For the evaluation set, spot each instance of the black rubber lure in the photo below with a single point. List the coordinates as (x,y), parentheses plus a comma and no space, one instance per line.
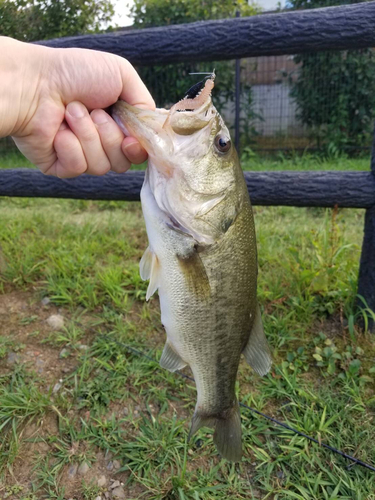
(197,87)
(194,90)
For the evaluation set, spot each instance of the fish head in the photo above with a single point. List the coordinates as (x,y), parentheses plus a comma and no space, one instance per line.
(193,167)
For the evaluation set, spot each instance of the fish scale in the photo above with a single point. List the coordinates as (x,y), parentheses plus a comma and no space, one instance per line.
(202,255)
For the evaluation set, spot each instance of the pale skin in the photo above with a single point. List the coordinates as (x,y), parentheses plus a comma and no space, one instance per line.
(52,103)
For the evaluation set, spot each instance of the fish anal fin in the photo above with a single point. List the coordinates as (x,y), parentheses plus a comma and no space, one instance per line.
(170,360)
(200,420)
(149,269)
(227,434)
(257,352)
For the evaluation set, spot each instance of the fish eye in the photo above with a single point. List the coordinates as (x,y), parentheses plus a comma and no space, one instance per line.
(222,143)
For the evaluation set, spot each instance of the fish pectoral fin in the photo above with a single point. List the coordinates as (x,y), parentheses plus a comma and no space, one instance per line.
(257,352)
(149,270)
(145,264)
(208,205)
(227,435)
(195,273)
(170,360)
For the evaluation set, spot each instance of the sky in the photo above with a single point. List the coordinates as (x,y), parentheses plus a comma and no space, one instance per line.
(122,8)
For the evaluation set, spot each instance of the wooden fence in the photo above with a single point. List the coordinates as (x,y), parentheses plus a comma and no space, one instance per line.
(333,28)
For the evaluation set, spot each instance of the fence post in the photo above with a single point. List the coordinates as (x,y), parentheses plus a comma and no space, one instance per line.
(366,279)
(238,96)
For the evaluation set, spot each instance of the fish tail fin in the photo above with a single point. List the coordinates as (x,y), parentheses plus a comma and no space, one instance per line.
(227,435)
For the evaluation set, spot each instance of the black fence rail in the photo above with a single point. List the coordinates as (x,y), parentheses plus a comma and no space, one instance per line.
(293,189)
(333,28)
(337,28)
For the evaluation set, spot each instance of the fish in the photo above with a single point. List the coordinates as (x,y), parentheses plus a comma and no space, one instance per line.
(202,255)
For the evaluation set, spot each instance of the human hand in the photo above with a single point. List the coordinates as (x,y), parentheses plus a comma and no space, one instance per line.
(51,103)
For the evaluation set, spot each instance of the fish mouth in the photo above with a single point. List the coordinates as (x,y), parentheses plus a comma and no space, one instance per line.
(155,129)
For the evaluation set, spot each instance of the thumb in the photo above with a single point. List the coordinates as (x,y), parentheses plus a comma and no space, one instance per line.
(98,80)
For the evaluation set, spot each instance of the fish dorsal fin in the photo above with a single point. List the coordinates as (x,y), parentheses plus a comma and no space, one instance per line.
(256,352)
(170,360)
(149,270)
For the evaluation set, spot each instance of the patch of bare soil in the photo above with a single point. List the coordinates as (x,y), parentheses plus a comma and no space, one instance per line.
(23,322)
(333,326)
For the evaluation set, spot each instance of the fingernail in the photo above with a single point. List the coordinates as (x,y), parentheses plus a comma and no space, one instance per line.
(99,117)
(130,144)
(76,109)
(142,105)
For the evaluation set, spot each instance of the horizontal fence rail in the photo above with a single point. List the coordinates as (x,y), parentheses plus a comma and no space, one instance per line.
(298,189)
(337,28)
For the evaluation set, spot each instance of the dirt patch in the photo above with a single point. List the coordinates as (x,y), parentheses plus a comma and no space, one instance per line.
(102,472)
(24,330)
(27,336)
(333,326)
(23,320)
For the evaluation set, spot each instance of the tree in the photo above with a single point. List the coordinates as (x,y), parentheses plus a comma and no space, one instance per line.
(334,91)
(169,83)
(150,13)
(31,20)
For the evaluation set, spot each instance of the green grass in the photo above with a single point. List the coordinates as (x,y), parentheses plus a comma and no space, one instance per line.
(84,257)
(14,160)
(250,161)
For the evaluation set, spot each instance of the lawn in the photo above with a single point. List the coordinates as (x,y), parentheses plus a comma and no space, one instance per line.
(80,408)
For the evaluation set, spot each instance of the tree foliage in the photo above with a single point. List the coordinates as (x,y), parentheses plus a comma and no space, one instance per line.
(335,91)
(169,83)
(149,13)
(31,20)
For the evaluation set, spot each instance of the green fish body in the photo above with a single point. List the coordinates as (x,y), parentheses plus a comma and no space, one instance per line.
(202,255)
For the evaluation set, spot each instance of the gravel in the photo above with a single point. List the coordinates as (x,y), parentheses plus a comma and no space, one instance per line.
(102,481)
(83,468)
(72,471)
(56,321)
(118,493)
(13,358)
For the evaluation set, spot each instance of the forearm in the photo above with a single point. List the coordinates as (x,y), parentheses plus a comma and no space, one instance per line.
(19,80)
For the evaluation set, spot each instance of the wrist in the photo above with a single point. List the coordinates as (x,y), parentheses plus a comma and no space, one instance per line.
(21,74)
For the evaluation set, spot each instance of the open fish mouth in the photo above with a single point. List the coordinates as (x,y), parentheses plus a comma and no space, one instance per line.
(195,111)
(154,127)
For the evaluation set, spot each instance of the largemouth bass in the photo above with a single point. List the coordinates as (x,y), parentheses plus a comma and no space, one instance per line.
(202,254)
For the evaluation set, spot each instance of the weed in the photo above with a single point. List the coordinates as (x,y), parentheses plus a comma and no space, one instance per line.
(6,344)
(90,491)
(69,336)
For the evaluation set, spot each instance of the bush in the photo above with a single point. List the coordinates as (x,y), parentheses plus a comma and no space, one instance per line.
(335,92)
(31,20)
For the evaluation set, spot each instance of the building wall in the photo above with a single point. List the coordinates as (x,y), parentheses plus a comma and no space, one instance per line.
(276,109)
